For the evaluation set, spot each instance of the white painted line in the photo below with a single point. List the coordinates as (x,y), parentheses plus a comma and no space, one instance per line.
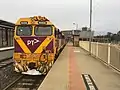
(77,51)
(6,48)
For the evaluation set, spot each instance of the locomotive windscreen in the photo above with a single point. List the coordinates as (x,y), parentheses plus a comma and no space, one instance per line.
(43,30)
(24,30)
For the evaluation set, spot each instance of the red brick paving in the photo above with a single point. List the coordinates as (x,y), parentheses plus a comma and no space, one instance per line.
(75,80)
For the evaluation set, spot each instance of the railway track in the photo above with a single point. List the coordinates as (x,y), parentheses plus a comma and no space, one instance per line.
(5,62)
(17,81)
(26,82)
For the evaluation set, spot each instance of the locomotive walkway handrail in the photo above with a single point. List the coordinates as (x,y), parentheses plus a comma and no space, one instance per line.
(44,64)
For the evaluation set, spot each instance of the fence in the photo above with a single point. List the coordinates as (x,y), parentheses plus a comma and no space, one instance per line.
(107,52)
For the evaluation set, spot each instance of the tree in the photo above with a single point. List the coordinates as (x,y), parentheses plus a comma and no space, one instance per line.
(118,33)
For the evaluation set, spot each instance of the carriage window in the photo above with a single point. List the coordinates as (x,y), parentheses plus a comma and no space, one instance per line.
(5,41)
(43,30)
(0,37)
(24,30)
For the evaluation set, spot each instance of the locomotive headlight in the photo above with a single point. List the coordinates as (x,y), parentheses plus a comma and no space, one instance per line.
(48,51)
(42,22)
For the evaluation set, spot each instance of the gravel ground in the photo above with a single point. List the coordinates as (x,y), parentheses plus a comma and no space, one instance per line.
(7,75)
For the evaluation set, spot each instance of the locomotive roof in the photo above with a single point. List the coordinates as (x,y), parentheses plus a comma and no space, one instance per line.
(34,20)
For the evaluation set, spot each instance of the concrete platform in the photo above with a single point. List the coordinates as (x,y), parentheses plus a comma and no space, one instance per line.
(71,64)
(6,52)
(57,78)
(105,77)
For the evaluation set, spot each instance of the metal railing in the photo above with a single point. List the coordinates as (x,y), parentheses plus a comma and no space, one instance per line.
(107,52)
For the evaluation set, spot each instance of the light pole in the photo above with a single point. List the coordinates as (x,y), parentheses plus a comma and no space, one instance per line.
(90,26)
(76,25)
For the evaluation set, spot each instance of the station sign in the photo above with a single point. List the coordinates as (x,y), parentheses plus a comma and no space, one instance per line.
(89,82)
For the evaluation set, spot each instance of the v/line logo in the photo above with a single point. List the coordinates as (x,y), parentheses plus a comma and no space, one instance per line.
(32,42)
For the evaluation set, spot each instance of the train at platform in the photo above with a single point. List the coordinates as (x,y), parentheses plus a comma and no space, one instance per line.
(37,42)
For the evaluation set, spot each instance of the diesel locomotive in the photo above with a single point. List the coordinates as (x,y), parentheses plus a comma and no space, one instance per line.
(37,42)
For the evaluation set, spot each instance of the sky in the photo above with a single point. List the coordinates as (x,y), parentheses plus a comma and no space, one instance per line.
(63,13)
